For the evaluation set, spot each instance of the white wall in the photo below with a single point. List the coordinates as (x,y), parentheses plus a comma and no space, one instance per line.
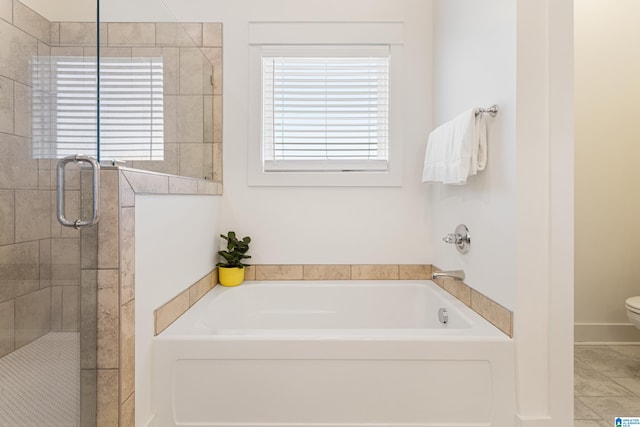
(315,224)
(176,242)
(607,83)
(520,210)
(474,66)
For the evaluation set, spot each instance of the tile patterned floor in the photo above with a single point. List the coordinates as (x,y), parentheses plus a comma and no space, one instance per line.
(606,384)
(39,383)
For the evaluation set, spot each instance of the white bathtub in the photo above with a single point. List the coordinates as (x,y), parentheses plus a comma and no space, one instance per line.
(338,354)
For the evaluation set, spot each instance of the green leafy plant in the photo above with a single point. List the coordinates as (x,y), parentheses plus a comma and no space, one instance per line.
(236,251)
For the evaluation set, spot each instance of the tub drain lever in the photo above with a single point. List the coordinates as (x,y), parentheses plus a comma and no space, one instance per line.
(443,315)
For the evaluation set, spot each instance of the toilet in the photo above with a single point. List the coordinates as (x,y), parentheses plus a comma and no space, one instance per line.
(633,310)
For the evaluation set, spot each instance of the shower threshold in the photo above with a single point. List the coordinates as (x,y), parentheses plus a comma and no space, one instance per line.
(40,383)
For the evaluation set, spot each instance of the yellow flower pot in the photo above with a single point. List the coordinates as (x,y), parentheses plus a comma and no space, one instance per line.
(230,276)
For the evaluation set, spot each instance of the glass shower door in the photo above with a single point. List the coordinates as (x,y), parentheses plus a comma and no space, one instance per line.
(48,297)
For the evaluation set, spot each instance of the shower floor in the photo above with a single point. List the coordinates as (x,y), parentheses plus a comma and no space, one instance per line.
(40,383)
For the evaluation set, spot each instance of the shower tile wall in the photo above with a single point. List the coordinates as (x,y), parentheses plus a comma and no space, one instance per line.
(39,261)
(192,60)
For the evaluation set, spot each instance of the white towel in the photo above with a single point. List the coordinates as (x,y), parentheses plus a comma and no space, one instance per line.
(457,149)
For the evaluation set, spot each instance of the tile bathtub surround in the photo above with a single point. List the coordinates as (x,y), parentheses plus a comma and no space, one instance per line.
(110,270)
(172,310)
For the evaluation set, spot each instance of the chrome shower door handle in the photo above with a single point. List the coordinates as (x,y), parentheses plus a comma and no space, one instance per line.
(95,167)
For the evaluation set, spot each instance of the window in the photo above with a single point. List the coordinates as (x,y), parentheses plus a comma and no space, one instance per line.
(325,104)
(131,107)
(325,113)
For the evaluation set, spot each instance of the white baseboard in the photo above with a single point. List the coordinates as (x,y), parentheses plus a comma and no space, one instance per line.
(606,333)
(525,421)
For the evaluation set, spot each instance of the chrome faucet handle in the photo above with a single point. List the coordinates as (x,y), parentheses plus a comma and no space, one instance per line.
(451,238)
(461,238)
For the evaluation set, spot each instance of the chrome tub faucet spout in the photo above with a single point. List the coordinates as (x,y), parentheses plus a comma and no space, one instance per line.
(454,274)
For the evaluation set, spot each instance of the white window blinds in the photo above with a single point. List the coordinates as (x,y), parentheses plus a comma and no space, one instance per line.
(131,108)
(326,112)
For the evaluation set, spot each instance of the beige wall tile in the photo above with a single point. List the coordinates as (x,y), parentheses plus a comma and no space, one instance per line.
(68,51)
(217,162)
(170,120)
(170,165)
(147,182)
(190,115)
(375,272)
(493,312)
(19,269)
(56,308)
(16,50)
(108,225)
(279,272)
(207,161)
(217,118)
(88,397)
(127,195)
(45,181)
(6,10)
(208,119)
(108,406)
(32,316)
(78,34)
(127,351)
(201,287)
(132,34)
(70,308)
(176,35)
(168,313)
(191,160)
(178,185)
(17,169)
(7,217)
(456,288)
(327,272)
(212,34)
(127,254)
(415,271)
(31,22)
(65,253)
(6,327)
(170,70)
(209,187)
(214,58)
(23,121)
(108,319)
(89,242)
(127,412)
(33,213)
(6,105)
(88,319)
(45,263)
(43,49)
(194,31)
(54,31)
(249,273)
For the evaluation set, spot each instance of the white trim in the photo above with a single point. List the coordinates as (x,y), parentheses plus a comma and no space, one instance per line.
(391,34)
(326,33)
(526,421)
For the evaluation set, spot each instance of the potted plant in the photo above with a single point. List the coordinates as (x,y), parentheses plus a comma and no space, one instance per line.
(231,269)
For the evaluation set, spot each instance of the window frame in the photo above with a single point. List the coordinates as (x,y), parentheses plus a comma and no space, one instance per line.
(306,37)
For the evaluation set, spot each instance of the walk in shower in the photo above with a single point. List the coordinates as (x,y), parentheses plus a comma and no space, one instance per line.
(150,106)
